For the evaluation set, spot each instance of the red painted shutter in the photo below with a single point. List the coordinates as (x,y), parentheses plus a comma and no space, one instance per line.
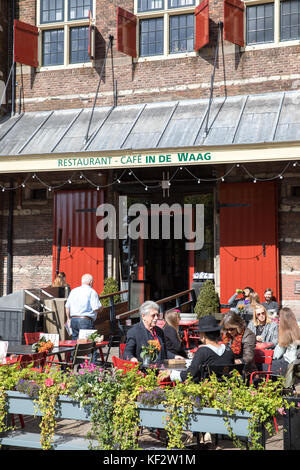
(126,32)
(248,238)
(201,25)
(74,214)
(234,21)
(25,43)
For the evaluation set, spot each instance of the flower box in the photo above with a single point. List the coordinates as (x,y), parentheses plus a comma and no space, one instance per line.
(204,420)
(291,425)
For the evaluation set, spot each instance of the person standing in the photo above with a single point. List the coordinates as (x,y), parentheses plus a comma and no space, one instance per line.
(83,306)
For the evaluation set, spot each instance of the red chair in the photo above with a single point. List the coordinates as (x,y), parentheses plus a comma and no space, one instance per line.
(121,349)
(264,356)
(31,338)
(37,360)
(122,364)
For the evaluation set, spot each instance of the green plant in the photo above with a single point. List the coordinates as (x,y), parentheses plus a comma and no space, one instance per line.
(207,301)
(110,286)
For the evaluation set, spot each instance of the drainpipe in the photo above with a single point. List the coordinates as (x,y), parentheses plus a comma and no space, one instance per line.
(13,78)
(9,278)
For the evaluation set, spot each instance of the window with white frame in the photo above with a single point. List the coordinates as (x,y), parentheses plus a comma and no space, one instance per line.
(272,22)
(64,26)
(165,26)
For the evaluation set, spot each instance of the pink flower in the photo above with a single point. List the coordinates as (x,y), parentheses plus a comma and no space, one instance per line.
(281,411)
(49,382)
(62,386)
(298,404)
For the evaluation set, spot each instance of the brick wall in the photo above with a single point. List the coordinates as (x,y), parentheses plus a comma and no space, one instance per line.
(3,48)
(270,69)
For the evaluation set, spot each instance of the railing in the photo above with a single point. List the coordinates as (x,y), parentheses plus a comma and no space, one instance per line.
(162,304)
(112,309)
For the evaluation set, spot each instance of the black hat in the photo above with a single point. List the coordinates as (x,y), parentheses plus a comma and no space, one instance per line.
(208,323)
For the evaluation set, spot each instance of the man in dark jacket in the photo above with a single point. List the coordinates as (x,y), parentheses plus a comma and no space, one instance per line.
(142,332)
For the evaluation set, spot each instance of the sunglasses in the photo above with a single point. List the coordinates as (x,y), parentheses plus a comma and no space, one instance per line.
(260,313)
(230,329)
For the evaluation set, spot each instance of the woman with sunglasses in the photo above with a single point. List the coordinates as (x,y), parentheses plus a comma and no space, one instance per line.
(265,330)
(240,339)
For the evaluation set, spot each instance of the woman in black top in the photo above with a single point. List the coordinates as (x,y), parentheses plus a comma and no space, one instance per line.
(211,352)
(171,332)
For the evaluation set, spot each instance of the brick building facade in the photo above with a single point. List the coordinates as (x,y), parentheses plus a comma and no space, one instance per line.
(260,67)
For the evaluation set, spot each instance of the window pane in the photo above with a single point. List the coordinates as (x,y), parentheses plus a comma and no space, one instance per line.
(289,20)
(180,3)
(260,23)
(151,37)
(149,5)
(79,38)
(53,47)
(52,11)
(180,27)
(79,9)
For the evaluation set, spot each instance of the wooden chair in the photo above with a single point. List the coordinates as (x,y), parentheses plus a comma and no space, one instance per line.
(83,352)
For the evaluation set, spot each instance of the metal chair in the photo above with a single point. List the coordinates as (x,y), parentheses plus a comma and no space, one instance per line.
(83,353)
(37,360)
(31,338)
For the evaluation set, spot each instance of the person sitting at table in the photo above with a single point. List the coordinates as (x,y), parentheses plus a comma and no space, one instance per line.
(142,332)
(249,308)
(240,339)
(288,342)
(234,303)
(171,331)
(211,352)
(269,303)
(265,330)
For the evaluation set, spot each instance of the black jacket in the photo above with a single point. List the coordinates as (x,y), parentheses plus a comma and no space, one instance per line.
(173,344)
(137,336)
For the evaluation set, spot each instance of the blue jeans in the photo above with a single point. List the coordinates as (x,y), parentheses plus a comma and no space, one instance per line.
(82,324)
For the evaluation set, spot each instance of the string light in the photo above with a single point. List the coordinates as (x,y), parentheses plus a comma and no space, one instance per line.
(130,172)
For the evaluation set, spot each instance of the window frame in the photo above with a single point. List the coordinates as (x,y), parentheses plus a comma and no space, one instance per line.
(66,25)
(267,45)
(165,13)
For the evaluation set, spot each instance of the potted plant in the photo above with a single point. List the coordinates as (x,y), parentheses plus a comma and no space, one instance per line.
(150,351)
(208,301)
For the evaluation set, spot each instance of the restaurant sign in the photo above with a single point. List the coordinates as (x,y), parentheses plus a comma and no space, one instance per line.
(133,160)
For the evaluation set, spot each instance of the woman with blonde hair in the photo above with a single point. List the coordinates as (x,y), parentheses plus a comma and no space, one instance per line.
(288,341)
(60,280)
(265,330)
(171,333)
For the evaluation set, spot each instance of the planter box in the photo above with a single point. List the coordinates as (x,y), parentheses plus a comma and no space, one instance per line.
(291,426)
(204,420)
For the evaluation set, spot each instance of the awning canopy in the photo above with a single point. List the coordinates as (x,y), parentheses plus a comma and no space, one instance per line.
(240,128)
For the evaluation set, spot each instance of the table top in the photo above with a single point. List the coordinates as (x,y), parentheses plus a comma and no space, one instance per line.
(188,322)
(73,342)
(20,349)
(164,365)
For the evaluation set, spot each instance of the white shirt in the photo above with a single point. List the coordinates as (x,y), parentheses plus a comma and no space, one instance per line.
(82,301)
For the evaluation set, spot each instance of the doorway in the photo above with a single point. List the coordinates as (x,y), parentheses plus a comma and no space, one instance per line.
(161,267)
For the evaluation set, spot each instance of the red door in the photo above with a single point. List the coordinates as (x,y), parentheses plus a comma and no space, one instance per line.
(81,250)
(248,238)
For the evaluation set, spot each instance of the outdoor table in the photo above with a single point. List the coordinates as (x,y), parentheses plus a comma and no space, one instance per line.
(73,342)
(185,325)
(20,349)
(165,365)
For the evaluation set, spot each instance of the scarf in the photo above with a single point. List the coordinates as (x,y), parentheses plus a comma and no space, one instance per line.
(234,343)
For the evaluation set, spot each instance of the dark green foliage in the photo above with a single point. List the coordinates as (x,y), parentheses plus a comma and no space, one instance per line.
(208,300)
(110,286)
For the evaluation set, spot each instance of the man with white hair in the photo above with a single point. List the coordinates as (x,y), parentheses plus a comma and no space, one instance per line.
(142,332)
(83,306)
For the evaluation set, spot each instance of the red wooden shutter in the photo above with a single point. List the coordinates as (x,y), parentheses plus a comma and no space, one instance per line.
(25,43)
(126,32)
(248,238)
(234,21)
(201,25)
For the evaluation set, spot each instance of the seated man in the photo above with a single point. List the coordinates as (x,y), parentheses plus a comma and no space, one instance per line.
(142,332)
(234,303)
(269,303)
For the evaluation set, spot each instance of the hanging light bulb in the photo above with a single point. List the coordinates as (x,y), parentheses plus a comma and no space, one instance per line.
(49,189)
(119,181)
(223,179)
(146,188)
(254,181)
(23,185)
(281,177)
(199,181)
(69,181)
(98,188)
